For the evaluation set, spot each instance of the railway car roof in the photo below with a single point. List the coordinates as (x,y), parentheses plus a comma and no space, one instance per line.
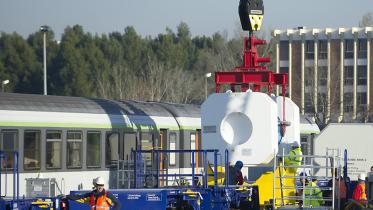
(183,110)
(32,102)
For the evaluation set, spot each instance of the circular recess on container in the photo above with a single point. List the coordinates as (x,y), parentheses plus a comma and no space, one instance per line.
(236,128)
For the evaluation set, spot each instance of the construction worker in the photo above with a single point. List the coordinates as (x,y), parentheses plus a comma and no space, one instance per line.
(294,158)
(359,192)
(99,198)
(235,174)
(340,189)
(312,193)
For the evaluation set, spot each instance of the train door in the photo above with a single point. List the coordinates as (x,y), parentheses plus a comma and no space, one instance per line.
(195,144)
(198,147)
(163,146)
(130,139)
(162,157)
(112,149)
(147,143)
(172,145)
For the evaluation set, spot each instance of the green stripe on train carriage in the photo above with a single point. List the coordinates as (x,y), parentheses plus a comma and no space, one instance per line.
(83,125)
(308,132)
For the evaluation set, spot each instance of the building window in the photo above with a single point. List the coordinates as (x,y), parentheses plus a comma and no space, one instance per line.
(323,49)
(8,144)
(53,149)
(362,98)
(308,76)
(310,50)
(347,102)
(284,70)
(284,50)
(111,149)
(323,75)
(362,75)
(308,103)
(349,48)
(93,149)
(172,147)
(348,75)
(362,102)
(362,48)
(322,102)
(74,149)
(31,149)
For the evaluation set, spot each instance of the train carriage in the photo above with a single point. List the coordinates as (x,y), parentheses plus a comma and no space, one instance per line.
(73,140)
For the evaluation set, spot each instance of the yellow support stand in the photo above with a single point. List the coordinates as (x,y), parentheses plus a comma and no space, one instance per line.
(265,185)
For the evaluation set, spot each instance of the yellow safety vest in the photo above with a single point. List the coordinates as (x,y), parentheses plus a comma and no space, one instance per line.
(293,159)
(313,195)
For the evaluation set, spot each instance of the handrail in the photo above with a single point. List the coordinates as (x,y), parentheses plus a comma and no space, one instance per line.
(4,155)
(331,161)
(156,153)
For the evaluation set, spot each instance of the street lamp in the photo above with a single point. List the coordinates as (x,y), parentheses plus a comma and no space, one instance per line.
(3,83)
(207,75)
(45,29)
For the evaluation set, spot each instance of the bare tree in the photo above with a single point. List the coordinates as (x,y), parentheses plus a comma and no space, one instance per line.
(326,107)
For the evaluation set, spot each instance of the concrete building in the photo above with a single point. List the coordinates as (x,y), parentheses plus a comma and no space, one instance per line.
(330,71)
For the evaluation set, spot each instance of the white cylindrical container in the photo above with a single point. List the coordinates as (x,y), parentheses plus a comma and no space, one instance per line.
(244,123)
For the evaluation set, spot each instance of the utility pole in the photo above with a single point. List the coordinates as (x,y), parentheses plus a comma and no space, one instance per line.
(207,75)
(44,29)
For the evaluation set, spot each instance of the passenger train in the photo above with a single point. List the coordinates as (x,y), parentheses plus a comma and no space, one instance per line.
(72,140)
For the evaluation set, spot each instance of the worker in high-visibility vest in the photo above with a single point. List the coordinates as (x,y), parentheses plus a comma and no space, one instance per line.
(312,194)
(294,158)
(99,198)
(340,190)
(359,192)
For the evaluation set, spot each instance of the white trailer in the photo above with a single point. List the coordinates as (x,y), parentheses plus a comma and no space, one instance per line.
(357,138)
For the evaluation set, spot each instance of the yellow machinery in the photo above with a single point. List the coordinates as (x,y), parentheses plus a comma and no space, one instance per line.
(265,183)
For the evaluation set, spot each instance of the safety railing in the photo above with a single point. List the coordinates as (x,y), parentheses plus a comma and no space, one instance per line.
(6,167)
(311,186)
(192,177)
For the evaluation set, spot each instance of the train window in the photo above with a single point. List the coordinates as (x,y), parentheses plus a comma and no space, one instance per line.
(31,149)
(111,149)
(74,149)
(129,145)
(8,144)
(53,150)
(93,149)
(172,147)
(193,146)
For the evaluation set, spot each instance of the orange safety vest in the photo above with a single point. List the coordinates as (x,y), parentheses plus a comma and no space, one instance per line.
(359,193)
(99,204)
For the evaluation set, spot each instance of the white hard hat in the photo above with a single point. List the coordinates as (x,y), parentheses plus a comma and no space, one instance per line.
(295,144)
(361,176)
(100,181)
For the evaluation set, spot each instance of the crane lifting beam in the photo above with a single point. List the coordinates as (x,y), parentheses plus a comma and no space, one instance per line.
(251,74)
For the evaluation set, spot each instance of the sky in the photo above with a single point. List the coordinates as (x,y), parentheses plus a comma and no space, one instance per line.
(151,17)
